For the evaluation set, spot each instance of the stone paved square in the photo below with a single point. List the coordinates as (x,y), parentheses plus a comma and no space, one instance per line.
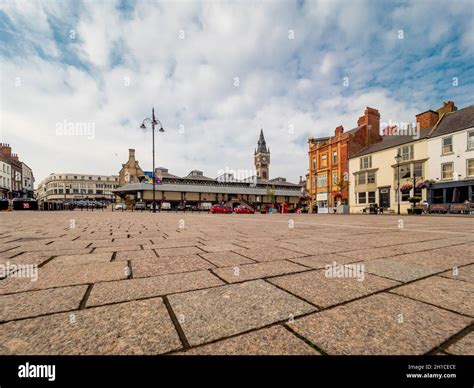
(135,283)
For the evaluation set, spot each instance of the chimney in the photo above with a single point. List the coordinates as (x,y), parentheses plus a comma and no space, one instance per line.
(339,130)
(427,119)
(447,107)
(371,119)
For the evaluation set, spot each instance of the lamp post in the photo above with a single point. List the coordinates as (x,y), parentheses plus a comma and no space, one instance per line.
(153,121)
(398,158)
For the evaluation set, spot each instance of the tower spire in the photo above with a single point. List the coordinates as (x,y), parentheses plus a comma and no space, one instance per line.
(261,145)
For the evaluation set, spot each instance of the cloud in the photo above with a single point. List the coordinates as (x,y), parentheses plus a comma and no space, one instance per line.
(219,71)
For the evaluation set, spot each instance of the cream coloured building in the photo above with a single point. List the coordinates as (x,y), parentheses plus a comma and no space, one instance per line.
(373,173)
(74,186)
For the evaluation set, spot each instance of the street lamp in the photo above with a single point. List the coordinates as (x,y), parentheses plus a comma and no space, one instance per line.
(153,121)
(398,158)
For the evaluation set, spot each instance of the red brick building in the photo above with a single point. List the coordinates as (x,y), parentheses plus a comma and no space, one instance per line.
(329,160)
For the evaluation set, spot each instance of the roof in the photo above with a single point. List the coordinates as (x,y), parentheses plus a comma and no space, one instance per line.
(225,189)
(455,121)
(262,145)
(390,141)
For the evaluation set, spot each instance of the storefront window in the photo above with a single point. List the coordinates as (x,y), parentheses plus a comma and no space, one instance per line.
(362,197)
(371,195)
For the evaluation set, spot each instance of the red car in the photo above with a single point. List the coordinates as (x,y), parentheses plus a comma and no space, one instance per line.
(220,209)
(243,210)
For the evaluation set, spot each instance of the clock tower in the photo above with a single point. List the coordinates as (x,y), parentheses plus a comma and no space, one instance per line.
(262,158)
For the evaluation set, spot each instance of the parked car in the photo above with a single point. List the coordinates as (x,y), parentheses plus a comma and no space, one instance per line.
(220,209)
(150,206)
(140,205)
(165,206)
(205,206)
(243,210)
(120,206)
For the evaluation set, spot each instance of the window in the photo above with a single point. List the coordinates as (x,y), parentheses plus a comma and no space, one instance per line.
(405,171)
(361,179)
(322,180)
(371,195)
(418,169)
(405,195)
(324,160)
(447,171)
(470,167)
(447,145)
(371,177)
(334,178)
(365,162)
(362,197)
(314,182)
(314,164)
(334,157)
(470,140)
(406,152)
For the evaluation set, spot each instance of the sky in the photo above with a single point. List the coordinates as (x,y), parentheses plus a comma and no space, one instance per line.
(78,78)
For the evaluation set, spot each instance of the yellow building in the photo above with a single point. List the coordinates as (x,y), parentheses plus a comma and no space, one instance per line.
(374,173)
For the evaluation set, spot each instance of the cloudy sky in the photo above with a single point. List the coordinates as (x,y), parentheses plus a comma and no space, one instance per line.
(216,72)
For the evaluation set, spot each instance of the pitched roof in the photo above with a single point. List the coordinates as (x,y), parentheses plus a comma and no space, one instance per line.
(390,141)
(261,145)
(455,121)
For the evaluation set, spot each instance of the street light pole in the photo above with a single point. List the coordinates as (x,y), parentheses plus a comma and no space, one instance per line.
(398,158)
(153,122)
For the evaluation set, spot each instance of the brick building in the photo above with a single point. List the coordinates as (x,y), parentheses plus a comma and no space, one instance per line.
(16,170)
(329,161)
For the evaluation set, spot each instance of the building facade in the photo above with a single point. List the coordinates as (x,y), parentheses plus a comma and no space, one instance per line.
(431,164)
(28,184)
(17,184)
(5,179)
(329,161)
(374,173)
(74,187)
(451,158)
(197,189)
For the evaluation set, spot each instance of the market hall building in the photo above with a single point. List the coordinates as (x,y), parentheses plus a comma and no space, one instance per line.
(196,189)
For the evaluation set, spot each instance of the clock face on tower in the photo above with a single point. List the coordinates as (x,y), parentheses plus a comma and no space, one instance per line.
(264,159)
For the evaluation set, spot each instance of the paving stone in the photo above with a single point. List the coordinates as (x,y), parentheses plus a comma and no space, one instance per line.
(226,258)
(60,276)
(219,312)
(437,259)
(34,303)
(465,273)
(139,327)
(90,258)
(139,288)
(397,269)
(135,255)
(323,260)
(219,247)
(380,324)
(323,291)
(274,340)
(450,294)
(168,265)
(118,248)
(169,252)
(464,346)
(258,270)
(269,254)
